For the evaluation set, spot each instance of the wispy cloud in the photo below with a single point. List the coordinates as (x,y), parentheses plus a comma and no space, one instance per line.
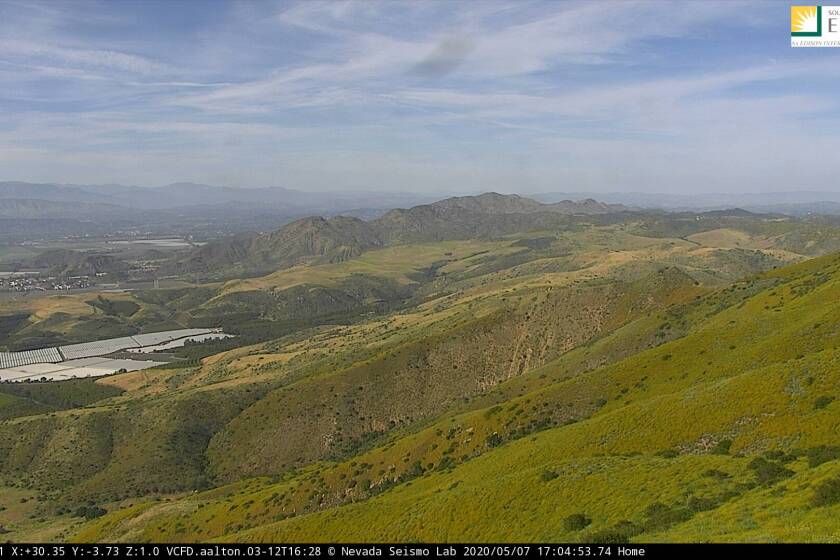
(85,58)
(525,95)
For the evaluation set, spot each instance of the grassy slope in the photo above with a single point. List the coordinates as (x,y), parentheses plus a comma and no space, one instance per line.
(421,379)
(685,397)
(107,452)
(579,252)
(62,394)
(155,438)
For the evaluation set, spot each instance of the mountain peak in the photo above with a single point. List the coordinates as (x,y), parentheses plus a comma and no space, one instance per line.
(496,203)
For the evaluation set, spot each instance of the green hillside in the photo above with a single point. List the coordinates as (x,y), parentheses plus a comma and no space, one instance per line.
(27,399)
(544,366)
(726,433)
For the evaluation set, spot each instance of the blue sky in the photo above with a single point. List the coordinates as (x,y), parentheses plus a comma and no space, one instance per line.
(436,96)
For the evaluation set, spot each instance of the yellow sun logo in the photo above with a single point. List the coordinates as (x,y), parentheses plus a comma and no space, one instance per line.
(804,19)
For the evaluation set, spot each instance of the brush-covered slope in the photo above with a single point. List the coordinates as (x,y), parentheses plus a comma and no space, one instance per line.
(488,217)
(326,290)
(304,240)
(726,429)
(474,322)
(28,399)
(316,402)
(352,375)
(336,239)
(334,413)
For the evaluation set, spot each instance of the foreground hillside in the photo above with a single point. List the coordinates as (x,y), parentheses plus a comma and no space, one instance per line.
(726,433)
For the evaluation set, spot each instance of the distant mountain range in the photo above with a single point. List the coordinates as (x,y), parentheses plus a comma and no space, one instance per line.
(38,210)
(342,237)
(31,200)
(792,203)
(203,212)
(192,195)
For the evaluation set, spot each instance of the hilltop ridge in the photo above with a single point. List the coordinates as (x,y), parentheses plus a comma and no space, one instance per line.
(331,240)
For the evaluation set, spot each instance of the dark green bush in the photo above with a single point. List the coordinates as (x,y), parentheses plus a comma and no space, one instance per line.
(722,447)
(827,493)
(823,402)
(822,454)
(493,440)
(718,474)
(576,522)
(619,533)
(768,473)
(90,512)
(661,516)
(697,504)
(445,463)
(668,453)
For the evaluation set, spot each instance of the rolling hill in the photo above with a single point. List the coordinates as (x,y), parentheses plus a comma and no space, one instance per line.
(671,443)
(577,376)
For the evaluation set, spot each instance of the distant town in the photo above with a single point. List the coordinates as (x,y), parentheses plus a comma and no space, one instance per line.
(34,281)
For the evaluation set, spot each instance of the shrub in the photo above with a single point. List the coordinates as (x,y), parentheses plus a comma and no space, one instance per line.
(90,512)
(696,504)
(827,493)
(823,402)
(446,463)
(780,456)
(668,453)
(661,516)
(548,475)
(415,470)
(608,536)
(619,533)
(822,454)
(768,473)
(493,440)
(576,522)
(718,474)
(722,447)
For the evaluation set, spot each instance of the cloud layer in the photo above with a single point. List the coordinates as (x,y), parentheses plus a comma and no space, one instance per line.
(423,96)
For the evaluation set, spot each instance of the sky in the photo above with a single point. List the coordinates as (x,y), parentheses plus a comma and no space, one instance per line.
(431,96)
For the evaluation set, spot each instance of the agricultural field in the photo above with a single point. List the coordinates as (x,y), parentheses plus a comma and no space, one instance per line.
(100,357)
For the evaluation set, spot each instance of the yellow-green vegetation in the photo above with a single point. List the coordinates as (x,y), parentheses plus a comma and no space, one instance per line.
(400,262)
(26,399)
(692,439)
(19,516)
(646,379)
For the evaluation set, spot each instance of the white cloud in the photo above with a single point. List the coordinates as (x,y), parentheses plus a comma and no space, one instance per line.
(473,95)
(85,58)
